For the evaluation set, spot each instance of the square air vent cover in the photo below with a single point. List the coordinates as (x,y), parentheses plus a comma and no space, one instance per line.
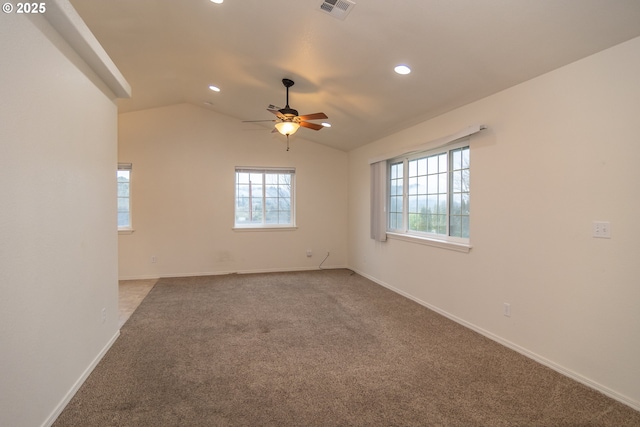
(337,8)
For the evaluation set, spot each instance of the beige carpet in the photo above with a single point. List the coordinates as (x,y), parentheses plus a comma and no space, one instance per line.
(321,348)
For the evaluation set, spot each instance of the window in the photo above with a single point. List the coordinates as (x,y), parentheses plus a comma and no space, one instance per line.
(124,196)
(265,198)
(429,194)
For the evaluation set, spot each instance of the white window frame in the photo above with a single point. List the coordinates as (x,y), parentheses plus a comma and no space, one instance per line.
(128,228)
(402,232)
(263,225)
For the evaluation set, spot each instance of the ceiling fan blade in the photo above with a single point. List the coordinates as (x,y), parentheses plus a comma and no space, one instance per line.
(314,116)
(257,121)
(311,125)
(277,113)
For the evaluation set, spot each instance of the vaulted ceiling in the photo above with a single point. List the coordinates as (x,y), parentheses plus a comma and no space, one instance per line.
(459,51)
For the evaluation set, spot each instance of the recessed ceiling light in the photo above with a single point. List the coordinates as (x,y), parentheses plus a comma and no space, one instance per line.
(217,1)
(402,69)
(327,125)
(214,88)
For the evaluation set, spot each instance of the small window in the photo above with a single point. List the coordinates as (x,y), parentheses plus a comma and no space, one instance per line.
(265,198)
(429,194)
(124,196)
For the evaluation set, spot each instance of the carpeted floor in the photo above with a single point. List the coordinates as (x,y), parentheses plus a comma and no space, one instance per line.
(318,348)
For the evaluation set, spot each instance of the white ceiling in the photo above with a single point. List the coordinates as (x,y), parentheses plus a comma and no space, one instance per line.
(170,51)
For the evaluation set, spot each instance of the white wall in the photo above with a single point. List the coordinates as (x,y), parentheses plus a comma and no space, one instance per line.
(184,160)
(58,240)
(560,151)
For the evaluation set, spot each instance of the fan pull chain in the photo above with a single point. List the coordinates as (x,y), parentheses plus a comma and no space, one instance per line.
(287,142)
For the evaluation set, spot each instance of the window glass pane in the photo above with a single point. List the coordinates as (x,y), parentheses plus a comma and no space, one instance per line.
(456,202)
(422,185)
(432,184)
(465,227)
(256,189)
(399,221)
(242,190)
(256,209)
(418,222)
(413,186)
(464,204)
(413,168)
(396,170)
(432,164)
(242,178)
(422,204)
(422,166)
(432,223)
(442,183)
(442,160)
(123,188)
(464,180)
(455,226)
(123,204)
(124,219)
(432,204)
(442,224)
(465,157)
(413,204)
(283,179)
(456,160)
(456,181)
(442,203)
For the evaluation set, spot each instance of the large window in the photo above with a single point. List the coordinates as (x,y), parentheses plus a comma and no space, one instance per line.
(124,196)
(265,197)
(429,194)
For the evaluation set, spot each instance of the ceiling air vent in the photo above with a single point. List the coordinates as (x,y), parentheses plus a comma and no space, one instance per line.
(337,8)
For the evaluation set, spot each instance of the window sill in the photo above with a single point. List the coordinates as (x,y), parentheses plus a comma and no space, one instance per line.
(126,231)
(453,246)
(287,228)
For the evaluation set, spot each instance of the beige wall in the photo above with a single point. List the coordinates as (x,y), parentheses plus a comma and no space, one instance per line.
(560,151)
(184,158)
(58,244)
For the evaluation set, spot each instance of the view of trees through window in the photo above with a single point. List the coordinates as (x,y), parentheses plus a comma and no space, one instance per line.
(124,205)
(436,198)
(264,198)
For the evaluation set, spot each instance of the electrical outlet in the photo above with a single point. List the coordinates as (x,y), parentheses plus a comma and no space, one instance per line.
(602,229)
(309,252)
(154,259)
(506,309)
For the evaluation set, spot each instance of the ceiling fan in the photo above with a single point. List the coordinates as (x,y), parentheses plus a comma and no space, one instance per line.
(288,119)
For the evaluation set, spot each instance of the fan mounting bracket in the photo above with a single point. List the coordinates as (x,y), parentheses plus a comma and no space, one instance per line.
(287,83)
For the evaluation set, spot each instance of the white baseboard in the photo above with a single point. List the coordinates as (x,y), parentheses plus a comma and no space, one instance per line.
(525,352)
(220,273)
(67,398)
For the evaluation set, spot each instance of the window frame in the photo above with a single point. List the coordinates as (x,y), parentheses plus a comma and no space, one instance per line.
(263,225)
(128,228)
(402,232)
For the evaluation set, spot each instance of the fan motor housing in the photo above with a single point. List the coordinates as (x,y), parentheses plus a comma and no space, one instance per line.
(288,112)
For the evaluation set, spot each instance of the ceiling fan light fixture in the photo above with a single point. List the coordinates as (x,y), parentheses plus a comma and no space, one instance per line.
(287,128)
